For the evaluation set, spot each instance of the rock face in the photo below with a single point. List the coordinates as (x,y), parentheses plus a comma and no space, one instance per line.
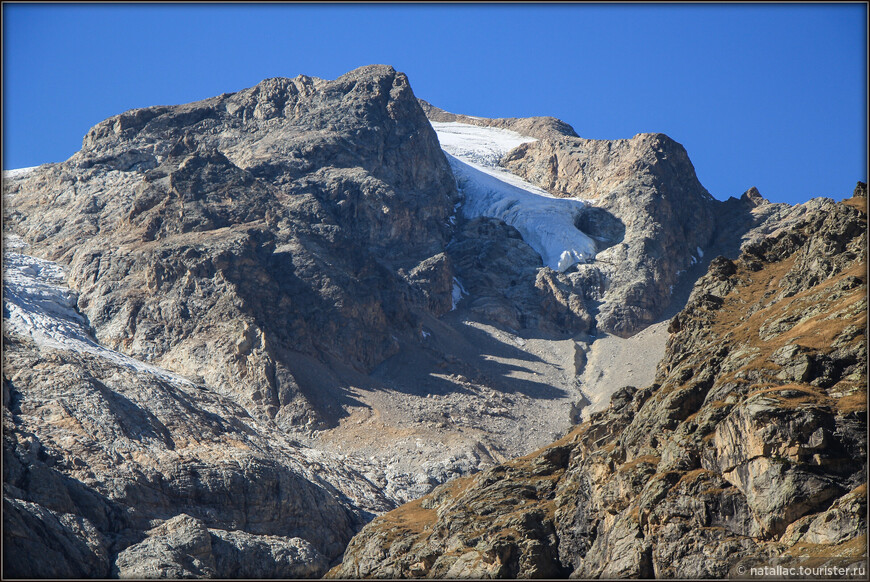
(97,455)
(295,227)
(253,322)
(650,216)
(233,238)
(749,449)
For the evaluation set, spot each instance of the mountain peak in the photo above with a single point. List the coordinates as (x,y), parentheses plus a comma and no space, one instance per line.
(754,198)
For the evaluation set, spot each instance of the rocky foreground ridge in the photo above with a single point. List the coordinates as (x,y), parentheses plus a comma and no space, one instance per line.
(748,450)
(235,330)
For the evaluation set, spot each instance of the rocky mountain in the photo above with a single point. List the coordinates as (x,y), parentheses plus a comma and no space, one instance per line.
(241,237)
(236,330)
(748,451)
(650,216)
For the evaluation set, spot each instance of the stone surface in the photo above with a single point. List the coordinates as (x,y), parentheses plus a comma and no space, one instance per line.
(236,238)
(262,323)
(649,215)
(97,455)
(236,242)
(726,462)
(183,547)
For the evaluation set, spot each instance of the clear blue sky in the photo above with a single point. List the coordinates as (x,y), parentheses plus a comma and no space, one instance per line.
(772,96)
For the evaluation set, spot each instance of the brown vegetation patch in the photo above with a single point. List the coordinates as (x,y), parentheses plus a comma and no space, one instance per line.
(855,402)
(692,476)
(817,333)
(818,554)
(652,460)
(859,203)
(411,518)
(809,395)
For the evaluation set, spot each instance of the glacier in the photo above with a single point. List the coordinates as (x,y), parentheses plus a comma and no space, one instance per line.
(546,223)
(38,303)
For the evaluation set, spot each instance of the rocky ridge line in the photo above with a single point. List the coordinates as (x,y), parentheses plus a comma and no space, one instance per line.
(240,238)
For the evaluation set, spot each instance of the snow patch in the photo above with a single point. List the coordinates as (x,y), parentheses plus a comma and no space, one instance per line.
(458,292)
(545,222)
(480,145)
(17,172)
(37,303)
(568,258)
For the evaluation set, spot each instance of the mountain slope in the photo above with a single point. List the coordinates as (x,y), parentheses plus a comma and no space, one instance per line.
(215,251)
(231,238)
(236,329)
(99,448)
(749,449)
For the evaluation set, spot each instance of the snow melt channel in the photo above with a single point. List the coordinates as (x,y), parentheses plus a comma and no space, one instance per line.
(545,222)
(37,303)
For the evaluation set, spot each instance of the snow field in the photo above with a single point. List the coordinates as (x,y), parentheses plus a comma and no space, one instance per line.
(545,222)
(17,172)
(37,303)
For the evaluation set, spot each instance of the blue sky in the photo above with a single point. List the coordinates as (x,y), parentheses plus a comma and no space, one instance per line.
(772,96)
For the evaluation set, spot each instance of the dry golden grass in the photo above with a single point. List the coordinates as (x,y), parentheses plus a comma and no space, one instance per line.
(411,518)
(817,333)
(818,554)
(809,394)
(812,396)
(859,491)
(855,402)
(692,476)
(858,203)
(652,460)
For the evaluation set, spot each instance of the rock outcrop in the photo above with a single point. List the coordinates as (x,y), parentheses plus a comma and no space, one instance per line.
(294,229)
(502,276)
(98,455)
(238,238)
(650,214)
(748,451)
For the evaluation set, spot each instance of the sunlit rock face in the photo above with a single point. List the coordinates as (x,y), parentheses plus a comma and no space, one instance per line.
(175,276)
